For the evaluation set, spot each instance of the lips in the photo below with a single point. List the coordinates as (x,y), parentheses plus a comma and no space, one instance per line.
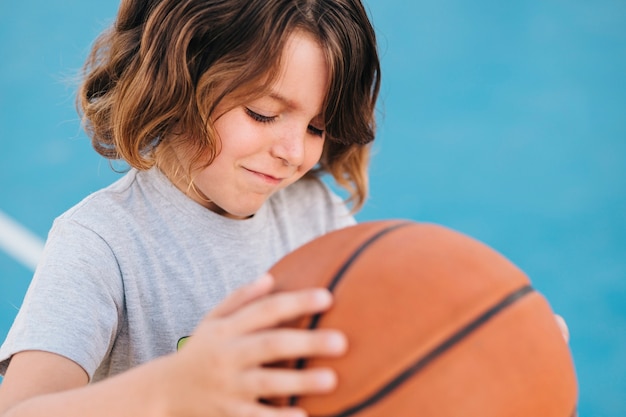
(266,177)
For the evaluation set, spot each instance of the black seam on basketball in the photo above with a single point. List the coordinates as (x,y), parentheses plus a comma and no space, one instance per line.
(437,351)
(359,251)
(348,263)
(300,363)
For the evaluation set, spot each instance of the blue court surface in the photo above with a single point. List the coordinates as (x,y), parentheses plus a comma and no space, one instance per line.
(504,120)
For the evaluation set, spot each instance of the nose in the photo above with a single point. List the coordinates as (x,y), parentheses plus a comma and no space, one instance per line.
(289,146)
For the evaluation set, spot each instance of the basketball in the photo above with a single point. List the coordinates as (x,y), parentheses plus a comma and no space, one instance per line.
(438,324)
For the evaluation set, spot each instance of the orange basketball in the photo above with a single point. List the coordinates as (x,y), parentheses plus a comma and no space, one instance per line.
(438,325)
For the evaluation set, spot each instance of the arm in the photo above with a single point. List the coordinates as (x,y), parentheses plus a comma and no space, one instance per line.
(219,372)
(24,379)
(44,384)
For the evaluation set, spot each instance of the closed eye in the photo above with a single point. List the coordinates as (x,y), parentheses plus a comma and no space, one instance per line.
(315,131)
(259,117)
(268,119)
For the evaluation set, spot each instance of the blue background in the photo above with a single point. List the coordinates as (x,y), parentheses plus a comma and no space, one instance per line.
(504,120)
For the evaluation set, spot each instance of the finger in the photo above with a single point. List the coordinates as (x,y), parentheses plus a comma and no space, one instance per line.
(278,308)
(563,326)
(281,344)
(271,382)
(244,295)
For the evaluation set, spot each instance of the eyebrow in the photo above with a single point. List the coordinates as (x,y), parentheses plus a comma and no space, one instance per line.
(289,103)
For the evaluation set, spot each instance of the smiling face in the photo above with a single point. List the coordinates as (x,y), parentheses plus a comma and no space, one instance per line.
(269,142)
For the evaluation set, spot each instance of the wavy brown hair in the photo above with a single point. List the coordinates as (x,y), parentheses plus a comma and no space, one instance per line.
(155,77)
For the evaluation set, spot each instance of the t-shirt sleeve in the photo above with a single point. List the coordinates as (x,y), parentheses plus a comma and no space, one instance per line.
(74,302)
(320,202)
(330,207)
(341,216)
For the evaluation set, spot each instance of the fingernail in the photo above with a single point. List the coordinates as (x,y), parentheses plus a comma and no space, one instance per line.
(264,279)
(327,379)
(337,342)
(323,296)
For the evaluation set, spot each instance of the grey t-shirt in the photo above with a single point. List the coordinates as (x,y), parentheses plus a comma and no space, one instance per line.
(133,268)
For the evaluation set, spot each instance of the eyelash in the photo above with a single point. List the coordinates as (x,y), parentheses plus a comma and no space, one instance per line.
(316,131)
(269,119)
(259,117)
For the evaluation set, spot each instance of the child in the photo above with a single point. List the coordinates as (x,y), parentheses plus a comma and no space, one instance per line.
(226,111)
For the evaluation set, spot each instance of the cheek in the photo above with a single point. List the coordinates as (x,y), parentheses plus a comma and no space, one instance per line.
(237,137)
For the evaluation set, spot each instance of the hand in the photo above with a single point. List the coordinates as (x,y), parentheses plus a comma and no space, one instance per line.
(219,371)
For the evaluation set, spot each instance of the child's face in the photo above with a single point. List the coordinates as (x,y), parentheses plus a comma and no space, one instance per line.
(270,142)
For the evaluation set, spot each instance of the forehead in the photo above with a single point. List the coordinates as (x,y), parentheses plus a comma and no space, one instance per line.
(299,75)
(303,73)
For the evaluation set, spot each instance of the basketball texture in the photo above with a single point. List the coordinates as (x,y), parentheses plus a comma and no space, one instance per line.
(438,324)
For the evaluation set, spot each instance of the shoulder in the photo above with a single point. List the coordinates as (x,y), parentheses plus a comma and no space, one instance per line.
(100,203)
(136,202)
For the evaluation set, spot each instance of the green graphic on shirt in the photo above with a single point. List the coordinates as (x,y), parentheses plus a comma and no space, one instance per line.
(181,342)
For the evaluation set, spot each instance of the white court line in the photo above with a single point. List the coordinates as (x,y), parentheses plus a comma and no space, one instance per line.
(19,242)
